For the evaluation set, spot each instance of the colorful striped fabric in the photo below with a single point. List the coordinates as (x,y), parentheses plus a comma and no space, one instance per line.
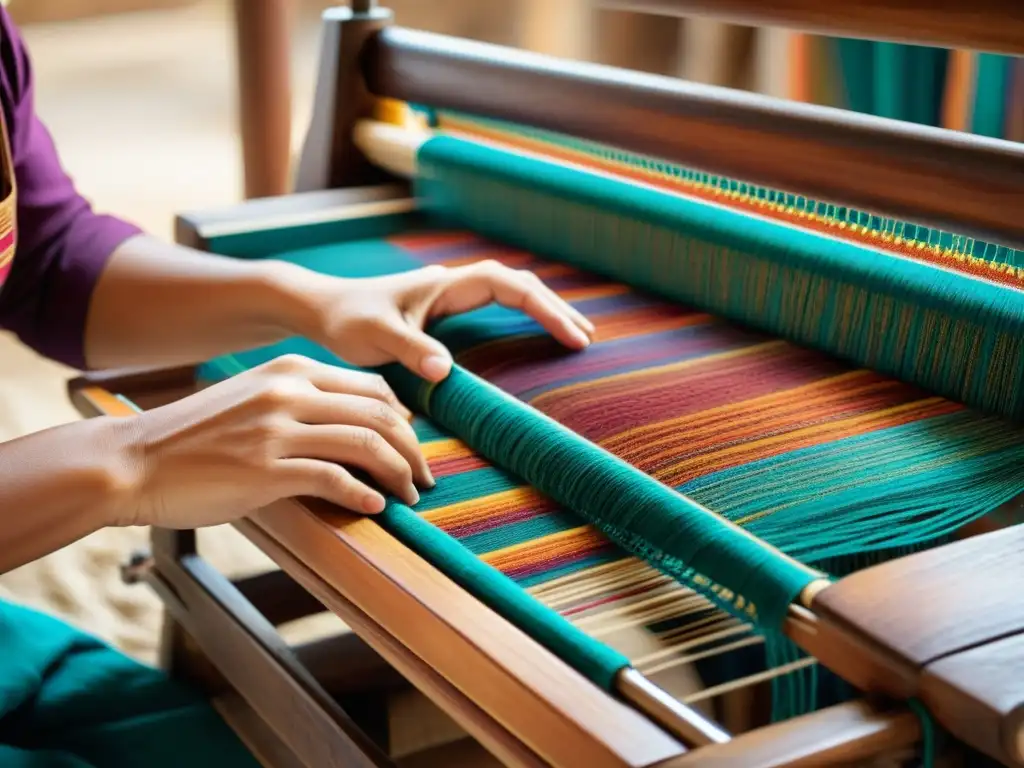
(725,415)
(836,466)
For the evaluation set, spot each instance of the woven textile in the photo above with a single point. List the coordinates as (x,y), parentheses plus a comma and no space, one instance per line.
(834,465)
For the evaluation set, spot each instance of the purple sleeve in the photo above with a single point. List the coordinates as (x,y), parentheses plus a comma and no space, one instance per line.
(62,245)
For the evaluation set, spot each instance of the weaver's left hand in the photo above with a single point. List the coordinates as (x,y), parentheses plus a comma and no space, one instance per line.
(374,321)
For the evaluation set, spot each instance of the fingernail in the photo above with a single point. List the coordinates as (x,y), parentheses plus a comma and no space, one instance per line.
(436,367)
(412,496)
(373,504)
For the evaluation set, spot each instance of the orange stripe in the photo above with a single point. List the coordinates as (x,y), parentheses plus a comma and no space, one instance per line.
(485,507)
(758,450)
(576,541)
(795,401)
(959,90)
(444,449)
(799,58)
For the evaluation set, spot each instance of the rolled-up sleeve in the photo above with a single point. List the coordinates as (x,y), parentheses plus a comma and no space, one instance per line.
(63,245)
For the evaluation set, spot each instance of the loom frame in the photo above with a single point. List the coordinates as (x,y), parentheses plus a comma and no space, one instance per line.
(211,622)
(344,562)
(885,166)
(203,606)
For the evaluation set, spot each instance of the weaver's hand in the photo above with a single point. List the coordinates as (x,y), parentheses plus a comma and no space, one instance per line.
(370,322)
(287,428)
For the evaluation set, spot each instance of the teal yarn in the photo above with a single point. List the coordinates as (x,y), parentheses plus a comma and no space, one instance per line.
(988,117)
(640,514)
(929,733)
(959,337)
(993,252)
(591,657)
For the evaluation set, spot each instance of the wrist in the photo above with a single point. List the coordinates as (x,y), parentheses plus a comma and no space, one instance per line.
(119,473)
(290,291)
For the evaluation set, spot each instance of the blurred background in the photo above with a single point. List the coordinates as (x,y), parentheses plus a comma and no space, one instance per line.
(142,97)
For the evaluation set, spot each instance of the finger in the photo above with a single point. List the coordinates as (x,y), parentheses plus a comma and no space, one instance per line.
(357,447)
(328,481)
(360,383)
(581,321)
(356,411)
(413,348)
(578,330)
(525,292)
(335,379)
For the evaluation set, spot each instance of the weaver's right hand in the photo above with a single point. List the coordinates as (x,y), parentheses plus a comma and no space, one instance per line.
(291,427)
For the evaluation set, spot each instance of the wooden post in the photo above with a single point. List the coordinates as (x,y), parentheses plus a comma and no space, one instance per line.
(264,89)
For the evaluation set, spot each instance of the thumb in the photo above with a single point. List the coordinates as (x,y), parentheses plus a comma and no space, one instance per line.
(416,350)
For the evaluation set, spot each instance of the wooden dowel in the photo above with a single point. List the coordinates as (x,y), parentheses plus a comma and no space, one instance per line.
(264,94)
(970,185)
(984,25)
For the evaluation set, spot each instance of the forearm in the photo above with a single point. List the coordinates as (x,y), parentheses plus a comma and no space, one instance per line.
(158,304)
(60,485)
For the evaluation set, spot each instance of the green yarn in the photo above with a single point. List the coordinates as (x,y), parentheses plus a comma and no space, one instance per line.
(640,514)
(929,733)
(993,252)
(597,661)
(988,117)
(856,63)
(960,337)
(590,657)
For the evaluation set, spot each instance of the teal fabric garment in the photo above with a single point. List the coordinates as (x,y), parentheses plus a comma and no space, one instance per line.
(908,82)
(901,82)
(67,700)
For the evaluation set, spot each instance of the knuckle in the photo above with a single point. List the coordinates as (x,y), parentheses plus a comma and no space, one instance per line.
(288,363)
(332,479)
(528,276)
(377,324)
(265,438)
(433,270)
(369,441)
(490,266)
(278,393)
(381,388)
(384,415)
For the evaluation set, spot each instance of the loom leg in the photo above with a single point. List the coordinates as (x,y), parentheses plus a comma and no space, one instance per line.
(264,94)
(174,653)
(287,704)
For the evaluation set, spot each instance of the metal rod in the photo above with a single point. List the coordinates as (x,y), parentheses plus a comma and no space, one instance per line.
(969,185)
(677,718)
(996,26)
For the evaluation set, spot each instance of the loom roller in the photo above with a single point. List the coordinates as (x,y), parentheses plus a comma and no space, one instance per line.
(394,145)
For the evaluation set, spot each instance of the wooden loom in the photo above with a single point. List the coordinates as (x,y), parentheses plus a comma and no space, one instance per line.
(412,625)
